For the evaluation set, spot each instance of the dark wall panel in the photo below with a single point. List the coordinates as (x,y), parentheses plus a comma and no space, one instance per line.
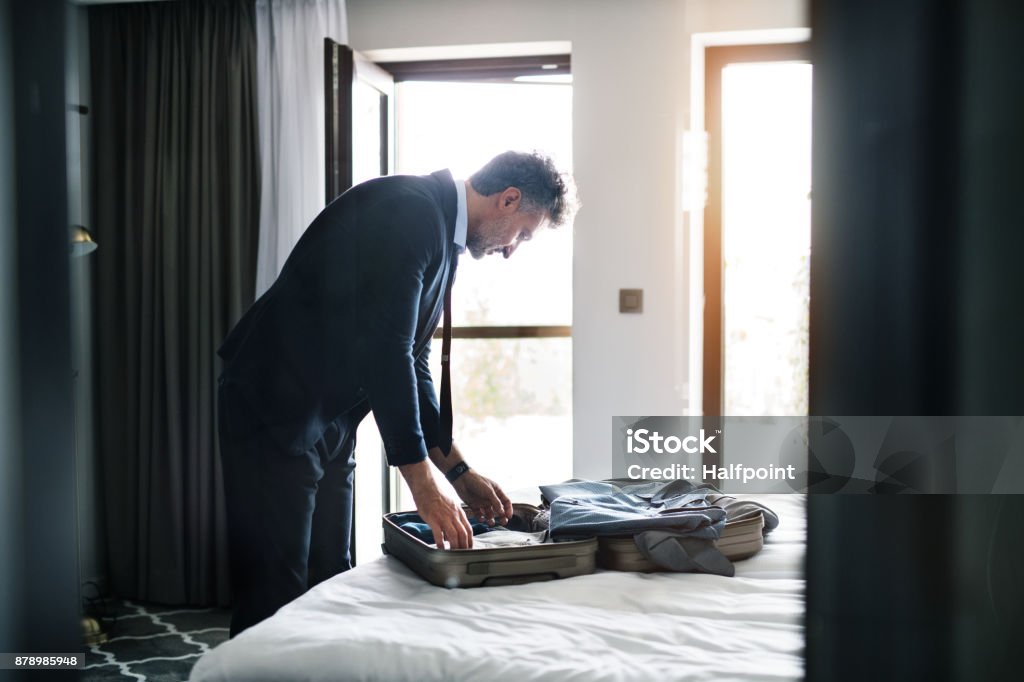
(45,609)
(916,281)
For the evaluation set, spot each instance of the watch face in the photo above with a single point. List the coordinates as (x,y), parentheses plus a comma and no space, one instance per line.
(457,471)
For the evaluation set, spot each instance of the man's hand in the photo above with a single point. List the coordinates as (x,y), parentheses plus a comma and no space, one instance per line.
(483,496)
(445,518)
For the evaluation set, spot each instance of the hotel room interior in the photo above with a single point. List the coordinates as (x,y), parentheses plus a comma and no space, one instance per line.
(139,125)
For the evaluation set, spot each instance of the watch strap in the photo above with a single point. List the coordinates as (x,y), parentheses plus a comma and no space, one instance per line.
(456,471)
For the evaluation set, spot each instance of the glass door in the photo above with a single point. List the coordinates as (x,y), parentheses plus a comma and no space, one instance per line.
(757,230)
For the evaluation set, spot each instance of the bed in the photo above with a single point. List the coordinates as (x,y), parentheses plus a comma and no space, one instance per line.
(380,621)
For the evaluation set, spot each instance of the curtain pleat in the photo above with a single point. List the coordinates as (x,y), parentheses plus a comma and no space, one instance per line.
(176,181)
(290,68)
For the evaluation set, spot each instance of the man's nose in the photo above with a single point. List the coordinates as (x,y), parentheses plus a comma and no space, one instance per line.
(510,249)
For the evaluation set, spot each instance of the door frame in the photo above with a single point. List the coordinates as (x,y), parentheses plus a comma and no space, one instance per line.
(716,58)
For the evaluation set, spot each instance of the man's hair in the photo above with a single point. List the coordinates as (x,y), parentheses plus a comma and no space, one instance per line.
(543,188)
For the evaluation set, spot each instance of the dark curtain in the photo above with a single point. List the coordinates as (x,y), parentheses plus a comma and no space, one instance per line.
(176,178)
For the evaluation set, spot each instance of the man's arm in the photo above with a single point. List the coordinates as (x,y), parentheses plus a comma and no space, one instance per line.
(430,416)
(395,252)
(394,256)
(485,499)
(437,510)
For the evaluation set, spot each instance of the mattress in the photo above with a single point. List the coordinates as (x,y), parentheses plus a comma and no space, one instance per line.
(380,621)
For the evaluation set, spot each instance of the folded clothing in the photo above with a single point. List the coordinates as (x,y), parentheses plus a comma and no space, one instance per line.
(414,525)
(518,531)
(643,500)
(597,508)
(508,538)
(674,524)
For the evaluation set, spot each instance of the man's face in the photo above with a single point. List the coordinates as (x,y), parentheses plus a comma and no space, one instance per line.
(503,234)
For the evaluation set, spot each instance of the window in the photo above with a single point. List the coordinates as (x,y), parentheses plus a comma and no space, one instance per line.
(757,230)
(512,348)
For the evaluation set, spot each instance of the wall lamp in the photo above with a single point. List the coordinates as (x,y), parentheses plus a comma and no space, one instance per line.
(81,241)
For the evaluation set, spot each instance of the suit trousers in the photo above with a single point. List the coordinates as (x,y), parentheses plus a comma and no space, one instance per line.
(289,516)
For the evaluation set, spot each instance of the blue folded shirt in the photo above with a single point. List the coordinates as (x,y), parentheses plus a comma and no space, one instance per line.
(412,524)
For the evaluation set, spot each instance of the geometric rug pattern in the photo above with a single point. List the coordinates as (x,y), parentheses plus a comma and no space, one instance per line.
(151,643)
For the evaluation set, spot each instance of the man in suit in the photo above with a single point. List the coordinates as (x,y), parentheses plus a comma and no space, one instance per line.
(345,330)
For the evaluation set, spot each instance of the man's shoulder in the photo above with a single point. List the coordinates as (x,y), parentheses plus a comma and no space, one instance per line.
(427,187)
(400,201)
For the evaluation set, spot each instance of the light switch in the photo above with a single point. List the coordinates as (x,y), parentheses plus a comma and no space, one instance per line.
(631,300)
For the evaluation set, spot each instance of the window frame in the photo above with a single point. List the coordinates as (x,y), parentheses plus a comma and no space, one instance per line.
(487,70)
(716,58)
(480,70)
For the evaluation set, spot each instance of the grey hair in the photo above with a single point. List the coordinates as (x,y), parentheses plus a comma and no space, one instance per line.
(544,189)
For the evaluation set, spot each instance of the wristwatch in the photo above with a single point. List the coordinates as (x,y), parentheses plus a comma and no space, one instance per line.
(456,471)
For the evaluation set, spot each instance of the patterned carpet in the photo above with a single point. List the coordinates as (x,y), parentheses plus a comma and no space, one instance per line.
(153,643)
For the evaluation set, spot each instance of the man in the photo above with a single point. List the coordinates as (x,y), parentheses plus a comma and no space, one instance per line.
(345,330)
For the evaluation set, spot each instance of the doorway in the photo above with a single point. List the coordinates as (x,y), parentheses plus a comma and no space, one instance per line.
(757,230)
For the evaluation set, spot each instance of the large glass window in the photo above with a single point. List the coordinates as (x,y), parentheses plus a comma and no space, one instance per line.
(512,352)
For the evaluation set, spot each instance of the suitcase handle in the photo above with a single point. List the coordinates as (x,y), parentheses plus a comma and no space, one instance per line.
(520,566)
(502,580)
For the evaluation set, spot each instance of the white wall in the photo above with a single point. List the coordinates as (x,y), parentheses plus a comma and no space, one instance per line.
(630,62)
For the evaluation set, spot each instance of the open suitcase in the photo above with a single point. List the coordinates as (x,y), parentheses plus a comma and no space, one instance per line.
(490,566)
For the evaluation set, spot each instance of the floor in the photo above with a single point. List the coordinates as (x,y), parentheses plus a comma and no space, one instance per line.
(153,643)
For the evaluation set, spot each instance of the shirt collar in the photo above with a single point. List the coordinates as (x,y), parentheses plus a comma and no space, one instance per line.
(461,216)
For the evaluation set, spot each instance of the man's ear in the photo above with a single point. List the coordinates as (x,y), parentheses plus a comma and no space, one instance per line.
(508,201)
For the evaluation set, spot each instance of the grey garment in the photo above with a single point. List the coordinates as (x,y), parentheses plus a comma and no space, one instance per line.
(594,508)
(665,495)
(665,491)
(623,514)
(676,552)
(674,524)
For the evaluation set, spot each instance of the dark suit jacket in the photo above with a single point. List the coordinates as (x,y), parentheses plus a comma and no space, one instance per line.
(350,317)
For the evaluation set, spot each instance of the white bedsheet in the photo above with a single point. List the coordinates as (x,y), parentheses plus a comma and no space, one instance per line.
(380,621)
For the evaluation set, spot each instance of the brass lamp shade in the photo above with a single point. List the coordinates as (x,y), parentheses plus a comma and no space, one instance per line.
(81,241)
